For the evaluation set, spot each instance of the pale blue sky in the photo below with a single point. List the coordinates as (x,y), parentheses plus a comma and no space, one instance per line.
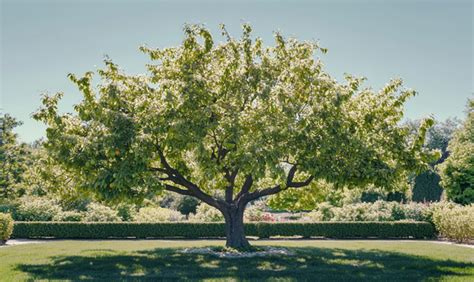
(427,43)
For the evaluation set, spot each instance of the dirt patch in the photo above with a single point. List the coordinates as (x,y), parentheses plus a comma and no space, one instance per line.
(222,253)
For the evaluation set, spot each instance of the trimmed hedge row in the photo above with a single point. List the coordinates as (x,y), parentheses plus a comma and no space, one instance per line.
(95,230)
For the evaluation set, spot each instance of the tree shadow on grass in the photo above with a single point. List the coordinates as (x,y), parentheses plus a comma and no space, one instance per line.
(312,264)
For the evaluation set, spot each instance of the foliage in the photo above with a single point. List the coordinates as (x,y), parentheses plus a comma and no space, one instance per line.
(238,105)
(157,214)
(36,209)
(186,205)
(66,230)
(455,222)
(397,196)
(377,211)
(321,191)
(126,211)
(14,159)
(236,118)
(100,213)
(206,213)
(256,212)
(8,206)
(6,227)
(439,135)
(45,177)
(427,187)
(183,204)
(306,198)
(68,216)
(457,172)
(372,196)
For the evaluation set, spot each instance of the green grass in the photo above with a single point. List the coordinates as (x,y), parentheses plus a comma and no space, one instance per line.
(348,260)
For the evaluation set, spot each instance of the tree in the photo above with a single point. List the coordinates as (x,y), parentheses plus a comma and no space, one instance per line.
(14,158)
(183,204)
(457,171)
(229,124)
(46,177)
(427,184)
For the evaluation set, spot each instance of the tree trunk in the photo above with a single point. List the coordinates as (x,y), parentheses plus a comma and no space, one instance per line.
(234,228)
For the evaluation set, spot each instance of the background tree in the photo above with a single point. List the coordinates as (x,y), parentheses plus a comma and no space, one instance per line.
(184,204)
(14,158)
(230,123)
(45,177)
(457,172)
(426,186)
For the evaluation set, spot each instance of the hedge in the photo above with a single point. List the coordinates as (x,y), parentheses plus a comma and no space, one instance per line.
(96,230)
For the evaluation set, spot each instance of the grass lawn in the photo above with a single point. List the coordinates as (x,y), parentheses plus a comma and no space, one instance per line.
(313,260)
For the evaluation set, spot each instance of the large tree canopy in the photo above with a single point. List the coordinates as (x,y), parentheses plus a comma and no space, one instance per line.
(229,123)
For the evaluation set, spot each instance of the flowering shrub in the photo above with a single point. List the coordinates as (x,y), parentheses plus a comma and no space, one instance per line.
(454,222)
(206,213)
(68,216)
(377,211)
(257,212)
(253,213)
(6,227)
(157,214)
(268,217)
(99,213)
(126,212)
(36,209)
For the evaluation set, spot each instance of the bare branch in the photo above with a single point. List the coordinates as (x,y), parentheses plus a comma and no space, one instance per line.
(261,193)
(229,191)
(245,187)
(277,188)
(291,175)
(300,184)
(177,190)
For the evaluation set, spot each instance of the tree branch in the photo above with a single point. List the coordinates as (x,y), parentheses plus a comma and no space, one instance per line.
(245,187)
(277,188)
(177,190)
(229,191)
(192,189)
(291,175)
(301,184)
(159,169)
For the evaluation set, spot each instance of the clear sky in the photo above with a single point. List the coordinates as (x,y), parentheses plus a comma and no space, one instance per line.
(426,43)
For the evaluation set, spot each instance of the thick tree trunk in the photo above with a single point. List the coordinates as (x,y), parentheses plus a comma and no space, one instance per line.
(234,228)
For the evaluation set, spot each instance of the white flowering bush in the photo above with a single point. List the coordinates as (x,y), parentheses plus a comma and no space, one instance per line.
(377,211)
(454,222)
(324,212)
(68,216)
(206,213)
(157,214)
(363,212)
(99,213)
(36,209)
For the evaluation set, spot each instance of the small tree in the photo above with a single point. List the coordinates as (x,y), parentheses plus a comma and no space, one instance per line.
(230,123)
(457,171)
(14,158)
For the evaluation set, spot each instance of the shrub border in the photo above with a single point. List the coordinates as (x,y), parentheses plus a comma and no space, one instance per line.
(109,230)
